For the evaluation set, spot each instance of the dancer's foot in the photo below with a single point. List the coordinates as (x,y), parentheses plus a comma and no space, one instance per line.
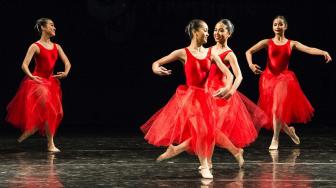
(205,172)
(24,136)
(293,136)
(53,148)
(169,153)
(20,139)
(239,157)
(274,145)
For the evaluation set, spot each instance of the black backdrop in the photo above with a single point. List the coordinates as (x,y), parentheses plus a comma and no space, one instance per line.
(112,43)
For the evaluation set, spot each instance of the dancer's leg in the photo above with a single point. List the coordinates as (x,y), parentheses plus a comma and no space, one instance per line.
(172,151)
(50,138)
(224,142)
(276,132)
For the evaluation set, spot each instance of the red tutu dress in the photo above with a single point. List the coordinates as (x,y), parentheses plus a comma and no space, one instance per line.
(238,118)
(187,114)
(37,104)
(280,92)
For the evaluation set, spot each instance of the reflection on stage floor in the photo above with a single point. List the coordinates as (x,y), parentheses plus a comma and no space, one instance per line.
(128,161)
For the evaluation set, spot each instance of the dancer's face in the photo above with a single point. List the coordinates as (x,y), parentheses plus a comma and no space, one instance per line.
(201,33)
(49,28)
(221,33)
(279,26)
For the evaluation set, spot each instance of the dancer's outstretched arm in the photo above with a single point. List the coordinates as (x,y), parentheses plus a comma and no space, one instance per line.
(310,50)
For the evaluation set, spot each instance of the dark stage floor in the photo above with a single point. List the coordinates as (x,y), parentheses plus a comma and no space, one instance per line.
(127,161)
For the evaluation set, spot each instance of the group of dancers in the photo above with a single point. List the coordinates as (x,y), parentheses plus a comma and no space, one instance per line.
(207,111)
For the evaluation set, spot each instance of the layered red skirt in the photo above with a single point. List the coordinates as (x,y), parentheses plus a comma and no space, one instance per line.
(282,95)
(36,105)
(195,114)
(239,119)
(185,117)
(236,119)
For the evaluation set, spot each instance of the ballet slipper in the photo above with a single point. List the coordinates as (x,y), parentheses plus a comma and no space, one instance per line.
(205,173)
(274,144)
(169,153)
(24,136)
(294,137)
(53,148)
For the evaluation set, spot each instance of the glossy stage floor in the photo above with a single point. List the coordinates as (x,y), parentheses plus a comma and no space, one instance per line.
(127,161)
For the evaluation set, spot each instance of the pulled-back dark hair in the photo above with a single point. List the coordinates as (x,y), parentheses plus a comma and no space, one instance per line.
(228,24)
(39,23)
(193,25)
(282,18)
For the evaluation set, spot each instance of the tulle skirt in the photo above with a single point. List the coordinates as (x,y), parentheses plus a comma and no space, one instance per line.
(186,117)
(36,106)
(237,118)
(282,95)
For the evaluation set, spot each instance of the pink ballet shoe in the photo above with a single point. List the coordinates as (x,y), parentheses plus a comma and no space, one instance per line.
(294,137)
(274,144)
(205,173)
(169,153)
(53,149)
